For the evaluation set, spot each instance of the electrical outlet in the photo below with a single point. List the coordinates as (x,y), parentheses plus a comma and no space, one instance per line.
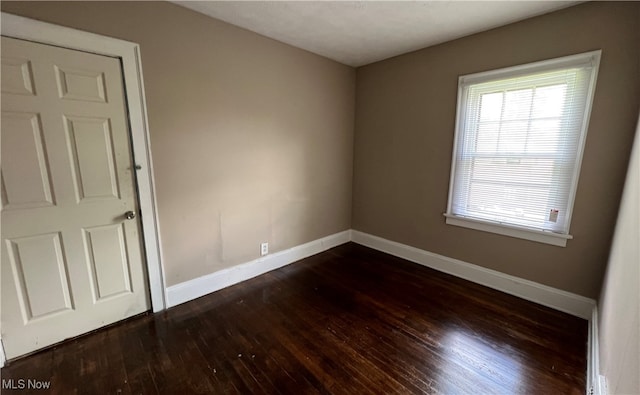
(264,248)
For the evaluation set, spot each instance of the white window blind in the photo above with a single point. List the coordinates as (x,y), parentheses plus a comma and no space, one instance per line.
(519,140)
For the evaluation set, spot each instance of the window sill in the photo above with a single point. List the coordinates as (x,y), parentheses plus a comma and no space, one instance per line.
(539,236)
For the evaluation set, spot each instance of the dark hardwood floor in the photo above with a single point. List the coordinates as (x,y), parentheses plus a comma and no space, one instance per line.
(348,321)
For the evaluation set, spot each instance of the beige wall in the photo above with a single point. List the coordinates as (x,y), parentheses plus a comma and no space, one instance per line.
(252,139)
(619,309)
(405,114)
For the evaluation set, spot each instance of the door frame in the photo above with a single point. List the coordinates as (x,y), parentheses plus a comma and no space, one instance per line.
(129,53)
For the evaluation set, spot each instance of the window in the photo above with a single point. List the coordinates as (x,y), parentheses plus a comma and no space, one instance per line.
(520,134)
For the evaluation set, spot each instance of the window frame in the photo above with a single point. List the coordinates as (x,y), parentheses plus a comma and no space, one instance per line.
(508,229)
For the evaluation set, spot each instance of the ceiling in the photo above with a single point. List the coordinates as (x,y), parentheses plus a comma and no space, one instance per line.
(361,32)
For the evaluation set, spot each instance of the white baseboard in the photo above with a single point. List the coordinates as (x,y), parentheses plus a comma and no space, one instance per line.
(542,294)
(192,289)
(3,358)
(596,383)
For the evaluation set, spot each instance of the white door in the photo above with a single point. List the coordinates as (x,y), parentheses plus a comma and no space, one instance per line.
(71,261)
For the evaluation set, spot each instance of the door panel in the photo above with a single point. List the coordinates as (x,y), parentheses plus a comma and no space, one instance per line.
(107,256)
(91,148)
(17,77)
(40,273)
(24,156)
(83,85)
(71,262)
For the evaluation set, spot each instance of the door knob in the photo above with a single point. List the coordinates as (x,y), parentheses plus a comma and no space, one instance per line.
(129,215)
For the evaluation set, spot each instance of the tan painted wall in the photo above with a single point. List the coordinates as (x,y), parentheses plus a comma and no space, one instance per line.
(619,309)
(252,139)
(405,115)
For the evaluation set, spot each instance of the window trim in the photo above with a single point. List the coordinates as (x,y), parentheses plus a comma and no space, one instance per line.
(547,237)
(541,236)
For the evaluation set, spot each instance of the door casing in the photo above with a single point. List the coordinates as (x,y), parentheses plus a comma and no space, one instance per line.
(129,54)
